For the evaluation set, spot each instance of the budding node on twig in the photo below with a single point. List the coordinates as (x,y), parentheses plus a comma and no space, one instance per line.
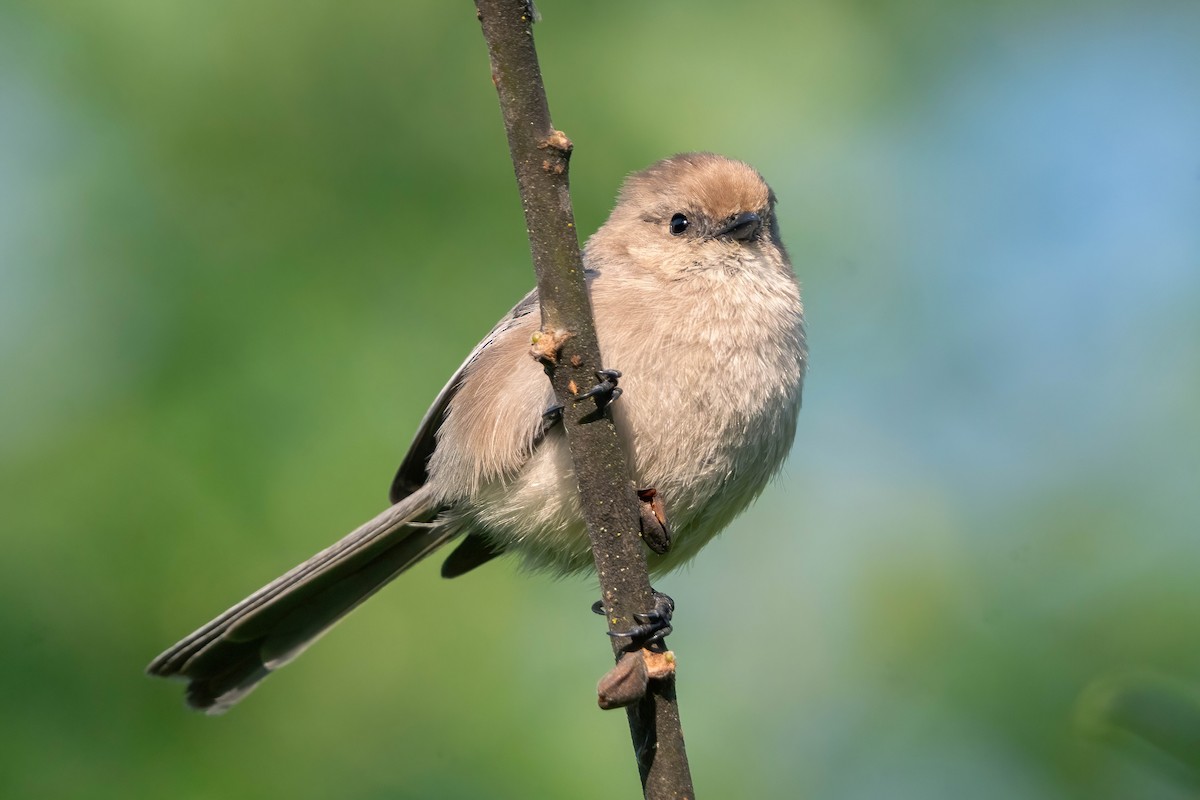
(557,140)
(546,345)
(626,683)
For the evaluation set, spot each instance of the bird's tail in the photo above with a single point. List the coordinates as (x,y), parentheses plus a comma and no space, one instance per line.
(225,659)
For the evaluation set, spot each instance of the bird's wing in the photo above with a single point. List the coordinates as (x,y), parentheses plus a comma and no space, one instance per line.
(413,471)
(225,659)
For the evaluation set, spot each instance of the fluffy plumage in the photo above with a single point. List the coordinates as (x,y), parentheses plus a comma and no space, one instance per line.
(704,320)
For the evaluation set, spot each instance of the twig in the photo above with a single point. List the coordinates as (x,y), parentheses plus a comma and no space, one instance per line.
(540,156)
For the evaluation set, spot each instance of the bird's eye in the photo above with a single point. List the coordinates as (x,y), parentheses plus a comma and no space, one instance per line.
(679,224)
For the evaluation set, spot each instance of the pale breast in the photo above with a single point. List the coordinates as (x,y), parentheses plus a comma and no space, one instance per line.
(711,386)
(711,396)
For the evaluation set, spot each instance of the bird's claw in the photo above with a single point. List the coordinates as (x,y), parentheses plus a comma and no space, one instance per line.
(652,627)
(552,416)
(606,390)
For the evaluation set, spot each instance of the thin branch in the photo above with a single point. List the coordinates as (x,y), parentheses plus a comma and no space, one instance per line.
(540,157)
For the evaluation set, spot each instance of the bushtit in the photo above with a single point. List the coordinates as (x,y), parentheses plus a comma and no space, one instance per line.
(697,306)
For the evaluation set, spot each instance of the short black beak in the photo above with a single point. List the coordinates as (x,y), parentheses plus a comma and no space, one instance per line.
(742,227)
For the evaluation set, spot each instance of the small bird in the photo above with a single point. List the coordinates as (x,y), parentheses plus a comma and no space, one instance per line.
(695,303)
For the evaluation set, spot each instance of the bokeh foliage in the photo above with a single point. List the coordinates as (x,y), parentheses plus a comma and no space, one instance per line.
(243,244)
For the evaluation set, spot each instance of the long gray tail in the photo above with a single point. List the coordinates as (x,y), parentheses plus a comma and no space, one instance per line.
(225,659)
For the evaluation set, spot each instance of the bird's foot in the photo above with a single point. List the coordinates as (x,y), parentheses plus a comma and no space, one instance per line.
(652,627)
(606,390)
(552,416)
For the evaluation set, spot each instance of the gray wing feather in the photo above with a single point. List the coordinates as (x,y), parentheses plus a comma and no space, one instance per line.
(225,659)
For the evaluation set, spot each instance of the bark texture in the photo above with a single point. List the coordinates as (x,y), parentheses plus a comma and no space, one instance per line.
(540,156)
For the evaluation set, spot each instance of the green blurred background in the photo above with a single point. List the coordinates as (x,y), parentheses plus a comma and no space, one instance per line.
(242,245)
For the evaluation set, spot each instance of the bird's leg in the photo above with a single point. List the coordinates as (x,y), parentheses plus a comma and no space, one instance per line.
(652,627)
(552,416)
(656,531)
(606,390)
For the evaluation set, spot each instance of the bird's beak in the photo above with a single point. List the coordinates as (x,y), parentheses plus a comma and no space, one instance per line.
(742,227)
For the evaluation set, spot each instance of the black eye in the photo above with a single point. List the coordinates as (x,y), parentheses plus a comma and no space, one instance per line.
(679,224)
